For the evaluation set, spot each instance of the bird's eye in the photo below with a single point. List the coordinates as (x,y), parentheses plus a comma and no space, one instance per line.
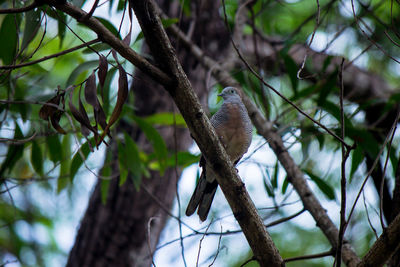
(232,91)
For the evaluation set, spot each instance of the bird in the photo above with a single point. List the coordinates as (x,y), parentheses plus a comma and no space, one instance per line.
(234,130)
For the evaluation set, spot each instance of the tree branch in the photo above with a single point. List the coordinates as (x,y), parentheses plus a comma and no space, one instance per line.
(106,36)
(265,128)
(204,134)
(384,247)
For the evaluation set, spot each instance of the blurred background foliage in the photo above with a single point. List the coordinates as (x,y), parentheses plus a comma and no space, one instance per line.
(45,183)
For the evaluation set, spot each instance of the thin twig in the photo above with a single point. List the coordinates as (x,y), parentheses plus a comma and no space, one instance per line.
(148,238)
(201,240)
(19,10)
(218,248)
(312,256)
(345,155)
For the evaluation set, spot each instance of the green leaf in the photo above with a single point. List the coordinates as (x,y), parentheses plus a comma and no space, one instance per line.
(168,22)
(334,110)
(365,140)
(356,159)
(285,185)
(104,186)
(268,188)
(182,159)
(109,26)
(78,3)
(61,21)
(291,68)
(166,118)
(77,160)
(159,146)
(65,167)
(327,88)
(128,156)
(106,90)
(81,71)
(8,47)
(32,25)
(14,153)
(96,47)
(105,172)
(322,185)
(393,159)
(54,148)
(274,179)
(37,158)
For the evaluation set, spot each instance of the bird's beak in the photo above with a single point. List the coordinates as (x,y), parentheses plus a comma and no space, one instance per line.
(220,95)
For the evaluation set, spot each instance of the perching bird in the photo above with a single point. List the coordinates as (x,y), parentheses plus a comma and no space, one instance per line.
(233,127)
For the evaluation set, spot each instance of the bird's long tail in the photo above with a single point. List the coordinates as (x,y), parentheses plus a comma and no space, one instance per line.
(202,197)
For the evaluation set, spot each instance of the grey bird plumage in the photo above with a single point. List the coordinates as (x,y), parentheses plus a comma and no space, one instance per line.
(234,129)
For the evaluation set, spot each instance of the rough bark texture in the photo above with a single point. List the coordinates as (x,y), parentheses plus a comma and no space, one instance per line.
(384,247)
(116,234)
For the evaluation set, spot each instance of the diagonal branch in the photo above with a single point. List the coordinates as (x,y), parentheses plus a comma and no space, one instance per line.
(384,247)
(265,129)
(186,100)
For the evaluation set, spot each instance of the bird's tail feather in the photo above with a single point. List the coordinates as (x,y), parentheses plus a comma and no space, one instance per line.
(206,200)
(197,195)
(202,197)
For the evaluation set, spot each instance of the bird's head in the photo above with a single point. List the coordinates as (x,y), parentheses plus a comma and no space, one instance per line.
(230,93)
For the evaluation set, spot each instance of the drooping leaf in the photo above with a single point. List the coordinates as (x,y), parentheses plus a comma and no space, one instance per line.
(8,47)
(46,111)
(325,188)
(81,116)
(102,73)
(91,98)
(127,38)
(54,147)
(77,159)
(121,98)
(37,158)
(91,90)
(55,122)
